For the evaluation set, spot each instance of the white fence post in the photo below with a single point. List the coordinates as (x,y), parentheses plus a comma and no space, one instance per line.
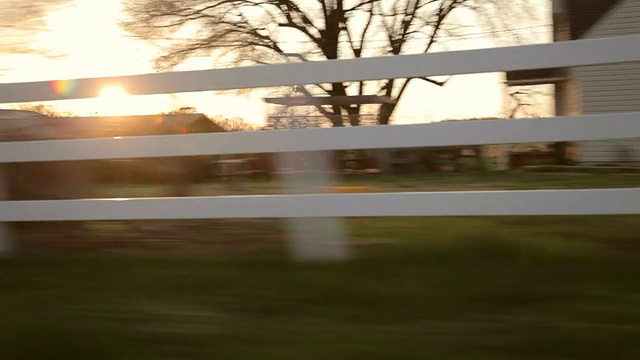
(503,157)
(312,238)
(6,235)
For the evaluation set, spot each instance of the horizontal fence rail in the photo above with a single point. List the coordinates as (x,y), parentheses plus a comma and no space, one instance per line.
(481,203)
(299,207)
(454,133)
(554,55)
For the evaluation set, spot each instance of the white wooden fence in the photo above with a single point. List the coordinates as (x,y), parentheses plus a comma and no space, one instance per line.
(306,206)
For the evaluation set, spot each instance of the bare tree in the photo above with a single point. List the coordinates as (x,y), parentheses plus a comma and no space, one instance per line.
(21,20)
(529,101)
(233,124)
(263,31)
(183,110)
(228,124)
(47,110)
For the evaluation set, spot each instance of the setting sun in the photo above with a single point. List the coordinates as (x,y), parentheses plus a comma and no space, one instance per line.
(112,93)
(115,101)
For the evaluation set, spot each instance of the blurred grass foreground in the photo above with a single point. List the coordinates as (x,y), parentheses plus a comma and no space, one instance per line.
(418,288)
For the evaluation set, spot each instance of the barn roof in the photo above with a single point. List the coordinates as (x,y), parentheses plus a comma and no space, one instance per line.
(29,125)
(584,14)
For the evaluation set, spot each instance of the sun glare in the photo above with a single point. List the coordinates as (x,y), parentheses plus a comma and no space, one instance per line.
(112,93)
(115,101)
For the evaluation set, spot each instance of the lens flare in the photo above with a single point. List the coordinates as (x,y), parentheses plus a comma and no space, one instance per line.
(63,87)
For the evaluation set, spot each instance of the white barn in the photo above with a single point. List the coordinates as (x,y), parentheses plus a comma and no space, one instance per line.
(598,89)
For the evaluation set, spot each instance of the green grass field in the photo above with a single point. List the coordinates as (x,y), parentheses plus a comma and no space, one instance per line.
(417,288)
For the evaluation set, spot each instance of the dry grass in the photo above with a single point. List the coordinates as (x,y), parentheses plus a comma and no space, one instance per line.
(377,183)
(445,288)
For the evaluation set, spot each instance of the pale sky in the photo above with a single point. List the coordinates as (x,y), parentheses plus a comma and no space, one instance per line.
(88,32)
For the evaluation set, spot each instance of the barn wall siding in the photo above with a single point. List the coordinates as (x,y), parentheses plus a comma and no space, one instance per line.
(612,88)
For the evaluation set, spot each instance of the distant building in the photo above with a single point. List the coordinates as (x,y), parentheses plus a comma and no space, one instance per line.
(67,179)
(30,125)
(594,89)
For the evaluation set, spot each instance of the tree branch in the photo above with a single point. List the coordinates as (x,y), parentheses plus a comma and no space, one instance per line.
(249,30)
